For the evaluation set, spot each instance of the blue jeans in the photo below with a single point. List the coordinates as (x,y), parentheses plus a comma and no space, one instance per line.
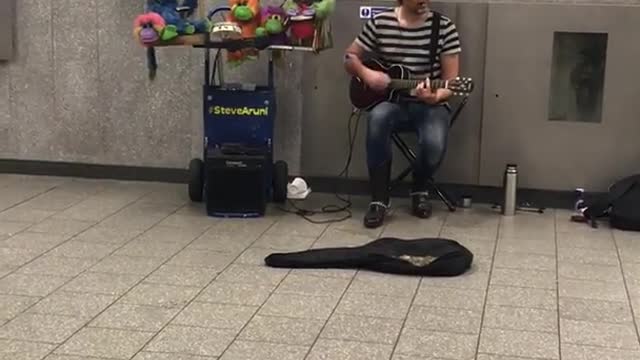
(431,122)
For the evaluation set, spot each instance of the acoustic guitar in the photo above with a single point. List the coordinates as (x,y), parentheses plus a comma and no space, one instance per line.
(364,98)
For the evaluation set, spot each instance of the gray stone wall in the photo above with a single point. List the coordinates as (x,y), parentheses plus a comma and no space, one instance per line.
(77,90)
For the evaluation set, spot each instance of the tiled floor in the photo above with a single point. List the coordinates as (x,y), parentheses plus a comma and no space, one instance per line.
(115,270)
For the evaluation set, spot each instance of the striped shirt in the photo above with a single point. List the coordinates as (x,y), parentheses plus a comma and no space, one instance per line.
(395,44)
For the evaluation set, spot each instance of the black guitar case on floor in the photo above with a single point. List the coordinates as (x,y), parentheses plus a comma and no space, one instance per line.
(423,256)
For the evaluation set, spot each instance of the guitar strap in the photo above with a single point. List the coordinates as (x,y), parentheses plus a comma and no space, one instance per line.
(433,46)
(433,43)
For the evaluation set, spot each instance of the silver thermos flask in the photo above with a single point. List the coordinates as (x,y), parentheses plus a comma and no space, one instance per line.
(510,185)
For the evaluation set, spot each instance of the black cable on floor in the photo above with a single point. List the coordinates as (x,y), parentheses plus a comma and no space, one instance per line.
(332,208)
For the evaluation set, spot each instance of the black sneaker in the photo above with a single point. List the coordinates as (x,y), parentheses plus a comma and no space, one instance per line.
(420,205)
(379,187)
(375,215)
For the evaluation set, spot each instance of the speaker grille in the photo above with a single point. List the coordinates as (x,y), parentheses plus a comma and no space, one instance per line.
(236,185)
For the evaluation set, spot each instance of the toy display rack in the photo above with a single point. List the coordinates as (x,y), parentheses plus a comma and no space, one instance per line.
(322,39)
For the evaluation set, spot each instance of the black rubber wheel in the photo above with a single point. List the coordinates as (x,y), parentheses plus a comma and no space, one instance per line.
(196,180)
(280,181)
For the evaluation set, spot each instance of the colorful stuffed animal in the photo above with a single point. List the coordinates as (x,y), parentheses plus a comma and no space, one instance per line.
(176,16)
(305,16)
(246,14)
(324,8)
(273,20)
(165,20)
(148,28)
(301,21)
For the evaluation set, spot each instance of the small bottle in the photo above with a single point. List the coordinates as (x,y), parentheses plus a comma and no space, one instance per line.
(510,189)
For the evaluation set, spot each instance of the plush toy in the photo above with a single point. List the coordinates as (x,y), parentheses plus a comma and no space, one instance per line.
(246,14)
(147,28)
(305,16)
(301,21)
(323,8)
(165,20)
(273,19)
(176,16)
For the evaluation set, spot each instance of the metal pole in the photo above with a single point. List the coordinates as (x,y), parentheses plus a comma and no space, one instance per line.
(270,74)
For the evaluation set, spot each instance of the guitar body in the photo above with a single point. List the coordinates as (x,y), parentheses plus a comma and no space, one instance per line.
(364,98)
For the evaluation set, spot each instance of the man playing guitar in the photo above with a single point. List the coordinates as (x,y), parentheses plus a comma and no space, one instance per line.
(402,36)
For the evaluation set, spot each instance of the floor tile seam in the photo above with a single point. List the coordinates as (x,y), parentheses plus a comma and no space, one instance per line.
(199,293)
(612,282)
(116,328)
(485,300)
(455,287)
(213,269)
(72,237)
(425,330)
(625,323)
(267,342)
(413,355)
(156,242)
(53,314)
(338,314)
(28,341)
(494,305)
(439,307)
(90,318)
(524,268)
(499,284)
(320,337)
(386,296)
(191,326)
(207,357)
(601,347)
(636,349)
(626,289)
(520,330)
(520,287)
(515,357)
(502,267)
(117,298)
(514,253)
(585,262)
(413,298)
(315,274)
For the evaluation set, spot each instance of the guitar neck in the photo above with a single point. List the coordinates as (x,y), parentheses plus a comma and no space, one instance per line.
(412,83)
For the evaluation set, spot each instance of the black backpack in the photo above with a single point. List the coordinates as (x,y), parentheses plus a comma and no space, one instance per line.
(621,204)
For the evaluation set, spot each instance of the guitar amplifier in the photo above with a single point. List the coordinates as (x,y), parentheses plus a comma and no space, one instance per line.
(236,179)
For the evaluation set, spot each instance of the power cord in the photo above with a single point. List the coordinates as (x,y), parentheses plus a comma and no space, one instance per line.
(332,208)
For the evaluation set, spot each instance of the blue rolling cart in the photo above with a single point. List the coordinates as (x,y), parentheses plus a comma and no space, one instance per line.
(237,175)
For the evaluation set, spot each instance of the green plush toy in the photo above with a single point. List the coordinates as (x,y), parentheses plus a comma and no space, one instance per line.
(324,8)
(272,25)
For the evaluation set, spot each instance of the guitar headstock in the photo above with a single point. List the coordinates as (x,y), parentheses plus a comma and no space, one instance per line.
(460,85)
